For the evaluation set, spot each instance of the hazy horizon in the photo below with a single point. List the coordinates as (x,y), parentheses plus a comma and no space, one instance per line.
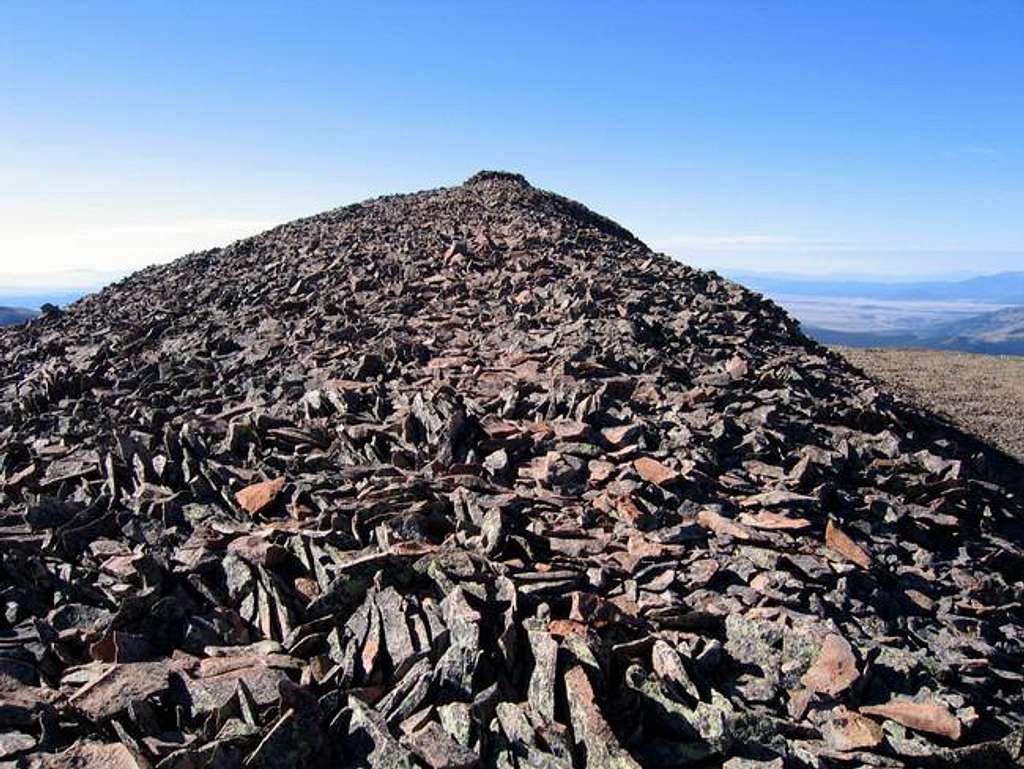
(81,281)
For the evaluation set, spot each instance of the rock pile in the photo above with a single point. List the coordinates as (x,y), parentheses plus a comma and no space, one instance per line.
(471,477)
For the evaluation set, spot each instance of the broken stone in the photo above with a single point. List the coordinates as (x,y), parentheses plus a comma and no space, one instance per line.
(89,754)
(836,539)
(835,669)
(723,526)
(117,687)
(929,717)
(439,751)
(847,730)
(654,471)
(596,744)
(258,497)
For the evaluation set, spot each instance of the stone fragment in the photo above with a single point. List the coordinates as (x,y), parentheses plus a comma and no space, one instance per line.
(89,755)
(654,471)
(751,763)
(113,690)
(619,436)
(435,748)
(256,498)
(541,688)
(770,521)
(596,744)
(847,730)
(836,539)
(12,743)
(369,742)
(723,526)
(930,717)
(835,669)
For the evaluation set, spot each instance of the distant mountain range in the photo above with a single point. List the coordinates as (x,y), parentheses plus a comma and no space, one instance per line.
(11,315)
(983,314)
(996,333)
(1001,288)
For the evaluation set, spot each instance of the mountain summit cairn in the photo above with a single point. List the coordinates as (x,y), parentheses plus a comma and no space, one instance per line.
(473,478)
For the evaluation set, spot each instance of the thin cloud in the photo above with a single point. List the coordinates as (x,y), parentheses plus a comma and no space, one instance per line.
(204,227)
(746,242)
(26,282)
(977,150)
(119,248)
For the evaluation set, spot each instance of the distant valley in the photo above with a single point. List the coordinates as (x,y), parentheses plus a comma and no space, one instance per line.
(983,314)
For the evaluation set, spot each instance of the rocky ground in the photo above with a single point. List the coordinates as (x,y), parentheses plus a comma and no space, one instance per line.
(981,394)
(471,477)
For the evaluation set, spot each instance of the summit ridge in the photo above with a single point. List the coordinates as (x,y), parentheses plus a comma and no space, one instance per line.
(472,477)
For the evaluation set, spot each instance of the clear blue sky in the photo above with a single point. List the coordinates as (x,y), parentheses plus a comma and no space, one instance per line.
(858,137)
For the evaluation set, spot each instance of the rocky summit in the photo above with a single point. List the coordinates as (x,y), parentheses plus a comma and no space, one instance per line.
(473,478)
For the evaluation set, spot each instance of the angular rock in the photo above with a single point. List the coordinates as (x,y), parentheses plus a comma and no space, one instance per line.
(836,539)
(846,730)
(256,498)
(439,751)
(930,717)
(654,471)
(835,669)
(596,744)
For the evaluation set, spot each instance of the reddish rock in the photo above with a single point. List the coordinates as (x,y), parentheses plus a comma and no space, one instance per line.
(617,437)
(847,730)
(571,431)
(306,587)
(930,717)
(835,669)
(258,497)
(737,367)
(770,521)
(118,686)
(723,526)
(654,471)
(257,549)
(600,471)
(836,539)
(93,755)
(594,737)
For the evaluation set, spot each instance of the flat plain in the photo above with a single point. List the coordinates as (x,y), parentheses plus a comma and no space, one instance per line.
(981,394)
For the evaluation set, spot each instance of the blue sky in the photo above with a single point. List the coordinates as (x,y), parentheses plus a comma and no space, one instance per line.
(842,137)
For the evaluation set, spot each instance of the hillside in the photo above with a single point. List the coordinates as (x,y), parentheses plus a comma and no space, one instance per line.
(997,332)
(982,314)
(471,477)
(994,333)
(10,315)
